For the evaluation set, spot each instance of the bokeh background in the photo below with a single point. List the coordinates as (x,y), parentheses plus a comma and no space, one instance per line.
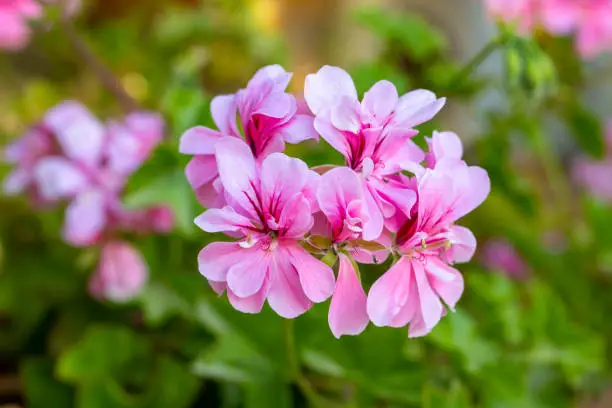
(533,328)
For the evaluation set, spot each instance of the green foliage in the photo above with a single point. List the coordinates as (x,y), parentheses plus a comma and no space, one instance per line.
(542,341)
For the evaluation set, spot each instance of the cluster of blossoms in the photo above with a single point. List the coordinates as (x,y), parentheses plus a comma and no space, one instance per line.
(16,15)
(594,175)
(590,21)
(70,156)
(389,198)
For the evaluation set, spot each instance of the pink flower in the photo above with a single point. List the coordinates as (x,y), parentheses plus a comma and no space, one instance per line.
(341,200)
(413,290)
(121,274)
(269,208)
(500,255)
(267,119)
(522,12)
(73,156)
(373,135)
(14,29)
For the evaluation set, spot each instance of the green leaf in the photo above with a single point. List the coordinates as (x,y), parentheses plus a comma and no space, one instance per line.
(173,385)
(458,333)
(412,32)
(454,397)
(586,128)
(270,393)
(103,352)
(104,393)
(41,387)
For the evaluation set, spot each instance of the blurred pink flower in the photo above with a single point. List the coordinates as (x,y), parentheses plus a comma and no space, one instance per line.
(267,118)
(269,208)
(14,29)
(121,274)
(373,135)
(412,291)
(73,156)
(499,255)
(590,21)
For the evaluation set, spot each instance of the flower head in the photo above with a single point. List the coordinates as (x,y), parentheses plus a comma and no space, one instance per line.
(263,115)
(269,208)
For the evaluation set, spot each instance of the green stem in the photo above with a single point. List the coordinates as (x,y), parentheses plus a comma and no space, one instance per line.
(294,368)
(475,62)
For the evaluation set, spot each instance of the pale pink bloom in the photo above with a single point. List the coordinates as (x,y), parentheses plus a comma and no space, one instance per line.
(589,20)
(523,13)
(270,209)
(373,135)
(347,310)
(262,114)
(500,256)
(443,145)
(121,274)
(413,290)
(14,27)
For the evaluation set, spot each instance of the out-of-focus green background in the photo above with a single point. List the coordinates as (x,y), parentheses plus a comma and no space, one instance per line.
(526,114)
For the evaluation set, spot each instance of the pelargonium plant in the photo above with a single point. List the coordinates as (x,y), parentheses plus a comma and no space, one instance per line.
(390,199)
(71,157)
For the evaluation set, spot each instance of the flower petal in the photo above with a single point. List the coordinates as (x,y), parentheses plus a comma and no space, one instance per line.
(215,259)
(58,178)
(316,278)
(86,218)
(286,296)
(347,311)
(246,276)
(326,87)
(381,99)
(199,140)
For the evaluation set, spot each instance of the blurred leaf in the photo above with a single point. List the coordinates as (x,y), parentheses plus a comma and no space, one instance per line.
(273,393)
(586,128)
(41,387)
(104,393)
(457,332)
(454,397)
(412,32)
(103,352)
(366,75)
(173,385)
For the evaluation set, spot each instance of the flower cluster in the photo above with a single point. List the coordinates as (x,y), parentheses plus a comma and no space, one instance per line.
(390,198)
(70,156)
(589,20)
(15,16)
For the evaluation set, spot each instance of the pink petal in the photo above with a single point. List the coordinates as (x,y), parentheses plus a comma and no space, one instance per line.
(347,310)
(381,99)
(316,278)
(121,275)
(79,133)
(463,244)
(326,87)
(286,296)
(276,106)
(58,178)
(250,304)
(300,128)
(373,228)
(199,140)
(218,287)
(338,188)
(221,220)
(330,134)
(295,219)
(15,182)
(274,74)
(389,294)
(345,116)
(215,259)
(223,109)
(417,107)
(430,306)
(446,281)
(15,32)
(447,144)
(237,172)
(246,277)
(86,218)
(201,170)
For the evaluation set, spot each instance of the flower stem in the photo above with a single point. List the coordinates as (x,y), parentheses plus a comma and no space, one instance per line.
(295,371)
(105,75)
(475,62)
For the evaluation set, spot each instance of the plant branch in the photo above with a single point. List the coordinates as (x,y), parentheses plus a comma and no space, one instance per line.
(475,62)
(105,75)
(294,368)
